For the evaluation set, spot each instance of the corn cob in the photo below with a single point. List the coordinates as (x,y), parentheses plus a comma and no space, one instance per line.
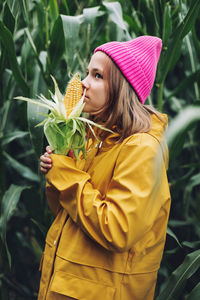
(73,93)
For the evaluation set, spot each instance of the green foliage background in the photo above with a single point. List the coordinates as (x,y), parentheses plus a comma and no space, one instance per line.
(39,38)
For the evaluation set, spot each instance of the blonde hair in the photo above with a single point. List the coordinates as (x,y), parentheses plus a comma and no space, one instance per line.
(124,113)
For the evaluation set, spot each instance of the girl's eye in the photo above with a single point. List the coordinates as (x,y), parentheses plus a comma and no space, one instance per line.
(97,75)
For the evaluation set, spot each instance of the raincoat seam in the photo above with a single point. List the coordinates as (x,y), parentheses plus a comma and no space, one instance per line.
(123,275)
(83,278)
(92,266)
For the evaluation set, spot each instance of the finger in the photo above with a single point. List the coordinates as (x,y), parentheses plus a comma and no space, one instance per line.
(43,170)
(45,165)
(49,150)
(45,159)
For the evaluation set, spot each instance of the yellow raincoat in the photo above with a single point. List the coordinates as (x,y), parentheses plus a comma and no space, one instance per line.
(107,240)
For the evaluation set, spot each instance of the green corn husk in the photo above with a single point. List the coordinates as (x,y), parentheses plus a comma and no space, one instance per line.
(65,136)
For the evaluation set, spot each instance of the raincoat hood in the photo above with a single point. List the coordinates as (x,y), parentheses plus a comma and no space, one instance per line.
(158,132)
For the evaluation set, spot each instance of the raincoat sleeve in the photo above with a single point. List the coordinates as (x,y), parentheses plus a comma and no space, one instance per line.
(52,195)
(133,200)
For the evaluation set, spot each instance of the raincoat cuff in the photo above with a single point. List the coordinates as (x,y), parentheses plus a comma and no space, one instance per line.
(59,162)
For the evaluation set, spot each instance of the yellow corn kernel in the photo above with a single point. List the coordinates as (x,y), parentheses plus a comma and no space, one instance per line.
(73,93)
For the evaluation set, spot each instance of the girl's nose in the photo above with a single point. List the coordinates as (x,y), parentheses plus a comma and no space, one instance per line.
(85,83)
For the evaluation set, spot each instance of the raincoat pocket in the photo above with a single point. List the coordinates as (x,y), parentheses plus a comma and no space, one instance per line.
(80,288)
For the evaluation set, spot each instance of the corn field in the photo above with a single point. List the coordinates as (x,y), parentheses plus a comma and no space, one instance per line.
(39,38)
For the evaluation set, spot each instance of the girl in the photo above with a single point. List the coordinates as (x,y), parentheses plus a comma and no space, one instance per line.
(111,209)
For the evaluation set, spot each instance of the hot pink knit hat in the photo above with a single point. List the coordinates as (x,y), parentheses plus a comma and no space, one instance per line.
(137,59)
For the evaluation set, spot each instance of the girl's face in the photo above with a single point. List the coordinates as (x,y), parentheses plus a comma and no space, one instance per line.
(95,83)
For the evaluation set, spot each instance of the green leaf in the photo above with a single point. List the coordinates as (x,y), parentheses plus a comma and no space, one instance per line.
(180,124)
(8,206)
(178,223)
(71,27)
(53,9)
(187,198)
(192,56)
(8,138)
(192,245)
(176,146)
(35,115)
(7,40)
(195,293)
(167,23)
(37,80)
(185,83)
(31,40)
(26,51)
(115,13)
(194,180)
(57,43)
(66,7)
(172,234)
(196,41)
(176,282)
(183,179)
(40,227)
(4,116)
(90,14)
(37,56)
(190,19)
(174,47)
(21,169)
(38,251)
(135,24)
(36,133)
(23,4)
(8,18)
(157,14)
(40,10)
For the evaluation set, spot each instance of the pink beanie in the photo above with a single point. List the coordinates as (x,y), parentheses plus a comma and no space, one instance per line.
(137,59)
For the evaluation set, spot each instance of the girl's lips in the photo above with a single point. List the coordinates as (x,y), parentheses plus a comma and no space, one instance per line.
(86,99)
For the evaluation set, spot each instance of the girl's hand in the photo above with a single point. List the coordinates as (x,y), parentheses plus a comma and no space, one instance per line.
(45,161)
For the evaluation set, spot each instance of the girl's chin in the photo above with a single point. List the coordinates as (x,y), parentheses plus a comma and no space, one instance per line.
(91,110)
(87,109)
